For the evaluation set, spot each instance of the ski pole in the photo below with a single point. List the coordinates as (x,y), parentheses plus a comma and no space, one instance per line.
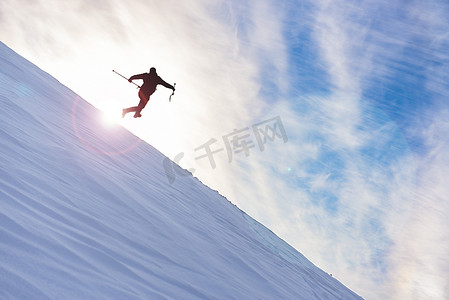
(169,99)
(125,78)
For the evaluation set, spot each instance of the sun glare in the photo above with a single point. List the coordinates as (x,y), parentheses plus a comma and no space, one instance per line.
(111,118)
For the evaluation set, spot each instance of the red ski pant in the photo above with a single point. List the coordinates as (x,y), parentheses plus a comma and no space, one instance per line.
(143,102)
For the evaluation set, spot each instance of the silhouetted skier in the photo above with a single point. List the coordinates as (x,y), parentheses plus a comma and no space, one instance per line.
(150,81)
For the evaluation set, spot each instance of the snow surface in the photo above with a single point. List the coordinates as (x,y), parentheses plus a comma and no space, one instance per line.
(87,212)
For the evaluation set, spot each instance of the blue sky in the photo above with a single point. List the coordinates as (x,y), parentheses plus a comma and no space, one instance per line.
(360,87)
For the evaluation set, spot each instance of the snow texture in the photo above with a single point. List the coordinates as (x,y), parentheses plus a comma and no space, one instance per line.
(87,212)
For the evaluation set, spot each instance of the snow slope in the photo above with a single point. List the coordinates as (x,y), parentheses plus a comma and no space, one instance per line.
(87,213)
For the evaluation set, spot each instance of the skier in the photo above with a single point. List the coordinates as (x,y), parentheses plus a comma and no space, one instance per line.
(150,81)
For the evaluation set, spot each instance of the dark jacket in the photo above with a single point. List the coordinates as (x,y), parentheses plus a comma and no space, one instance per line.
(150,81)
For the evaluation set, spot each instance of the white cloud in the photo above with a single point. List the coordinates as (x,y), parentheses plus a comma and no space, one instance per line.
(188,42)
(420,256)
(376,185)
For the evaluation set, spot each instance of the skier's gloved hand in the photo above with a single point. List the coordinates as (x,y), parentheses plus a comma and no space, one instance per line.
(129,80)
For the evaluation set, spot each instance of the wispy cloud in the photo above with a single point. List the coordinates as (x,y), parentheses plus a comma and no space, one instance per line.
(346,181)
(190,42)
(419,259)
(368,165)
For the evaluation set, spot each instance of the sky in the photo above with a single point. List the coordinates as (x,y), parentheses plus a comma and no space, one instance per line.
(327,121)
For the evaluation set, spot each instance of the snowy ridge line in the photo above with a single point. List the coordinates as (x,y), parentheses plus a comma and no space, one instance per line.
(76,223)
